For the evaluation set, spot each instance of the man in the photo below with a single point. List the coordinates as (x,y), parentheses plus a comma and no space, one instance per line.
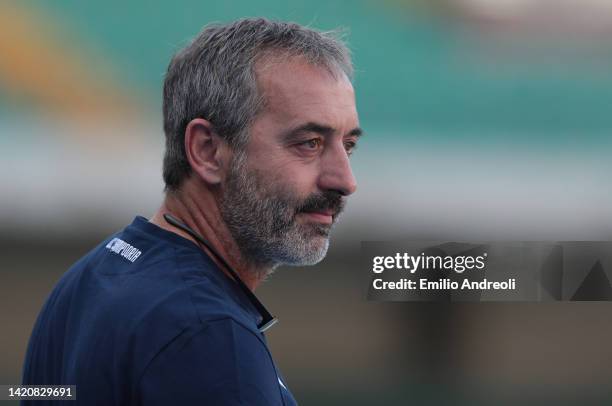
(260,121)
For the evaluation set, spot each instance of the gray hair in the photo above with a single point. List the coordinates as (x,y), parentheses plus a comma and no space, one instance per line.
(214,78)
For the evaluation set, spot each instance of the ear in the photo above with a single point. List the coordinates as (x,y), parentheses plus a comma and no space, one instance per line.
(205,150)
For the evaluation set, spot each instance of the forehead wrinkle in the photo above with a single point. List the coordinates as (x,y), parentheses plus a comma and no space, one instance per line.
(276,80)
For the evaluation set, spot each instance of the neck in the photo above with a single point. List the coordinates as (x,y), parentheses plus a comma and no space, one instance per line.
(200,212)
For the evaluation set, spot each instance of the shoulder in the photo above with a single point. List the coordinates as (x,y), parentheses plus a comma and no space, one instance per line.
(151,280)
(142,306)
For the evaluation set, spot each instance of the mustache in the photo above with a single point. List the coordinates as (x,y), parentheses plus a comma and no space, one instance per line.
(329,200)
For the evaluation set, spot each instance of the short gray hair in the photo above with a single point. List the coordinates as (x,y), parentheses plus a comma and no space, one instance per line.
(214,78)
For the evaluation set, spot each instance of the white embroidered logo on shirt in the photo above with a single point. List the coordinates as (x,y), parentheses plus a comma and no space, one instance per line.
(127,251)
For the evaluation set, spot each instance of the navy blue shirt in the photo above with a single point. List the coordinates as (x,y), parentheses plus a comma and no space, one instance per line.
(147,318)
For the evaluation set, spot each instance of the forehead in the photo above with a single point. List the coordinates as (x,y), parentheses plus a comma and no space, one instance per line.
(296,91)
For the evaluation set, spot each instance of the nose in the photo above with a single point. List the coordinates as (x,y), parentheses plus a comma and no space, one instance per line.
(336,173)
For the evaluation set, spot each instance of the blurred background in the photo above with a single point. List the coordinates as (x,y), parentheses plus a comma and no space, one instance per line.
(485,120)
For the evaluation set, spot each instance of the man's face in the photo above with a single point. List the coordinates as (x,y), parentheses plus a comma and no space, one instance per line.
(284,193)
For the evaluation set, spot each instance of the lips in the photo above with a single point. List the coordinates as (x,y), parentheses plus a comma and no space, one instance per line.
(322,208)
(322,216)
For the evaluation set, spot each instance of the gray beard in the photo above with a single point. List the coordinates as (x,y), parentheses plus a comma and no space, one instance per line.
(262,221)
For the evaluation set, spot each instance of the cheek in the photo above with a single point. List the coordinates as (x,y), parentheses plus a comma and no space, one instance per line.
(295,178)
(286,173)
(302,176)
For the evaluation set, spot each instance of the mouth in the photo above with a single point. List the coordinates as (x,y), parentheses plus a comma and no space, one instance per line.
(320,216)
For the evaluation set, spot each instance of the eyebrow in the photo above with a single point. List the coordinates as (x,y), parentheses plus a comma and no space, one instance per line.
(324,130)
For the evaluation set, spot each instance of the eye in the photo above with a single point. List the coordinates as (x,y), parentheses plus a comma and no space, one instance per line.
(312,144)
(350,147)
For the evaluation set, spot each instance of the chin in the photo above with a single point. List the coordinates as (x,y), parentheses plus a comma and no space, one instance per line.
(317,251)
(303,249)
